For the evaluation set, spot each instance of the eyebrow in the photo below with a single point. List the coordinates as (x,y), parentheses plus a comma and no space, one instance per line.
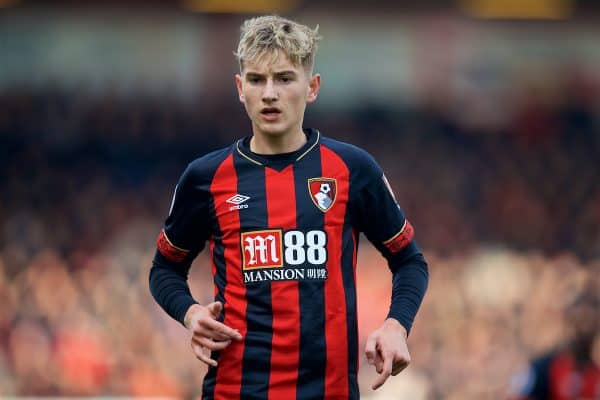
(287,72)
(278,73)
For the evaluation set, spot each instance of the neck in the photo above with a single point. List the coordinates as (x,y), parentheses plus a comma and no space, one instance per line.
(266,144)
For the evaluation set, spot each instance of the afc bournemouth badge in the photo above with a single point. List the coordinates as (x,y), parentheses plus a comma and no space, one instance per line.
(322,192)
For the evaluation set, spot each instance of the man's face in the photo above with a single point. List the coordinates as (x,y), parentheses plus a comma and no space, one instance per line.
(275,93)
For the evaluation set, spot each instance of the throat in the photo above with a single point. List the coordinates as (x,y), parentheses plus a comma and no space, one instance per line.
(267,144)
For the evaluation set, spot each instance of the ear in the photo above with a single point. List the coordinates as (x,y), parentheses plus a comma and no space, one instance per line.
(314,85)
(238,85)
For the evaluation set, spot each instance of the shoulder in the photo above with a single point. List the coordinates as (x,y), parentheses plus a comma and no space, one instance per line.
(355,158)
(540,365)
(533,379)
(203,168)
(544,361)
(363,167)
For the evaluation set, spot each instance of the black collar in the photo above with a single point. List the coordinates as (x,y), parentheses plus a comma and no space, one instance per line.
(282,159)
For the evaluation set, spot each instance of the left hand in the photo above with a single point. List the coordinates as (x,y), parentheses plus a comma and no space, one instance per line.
(387,350)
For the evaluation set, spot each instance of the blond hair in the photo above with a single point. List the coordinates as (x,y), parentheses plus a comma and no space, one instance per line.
(270,35)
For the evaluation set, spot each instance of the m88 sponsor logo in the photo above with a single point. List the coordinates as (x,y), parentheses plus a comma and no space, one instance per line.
(274,255)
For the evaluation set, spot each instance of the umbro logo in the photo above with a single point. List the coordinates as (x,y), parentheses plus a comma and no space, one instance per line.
(237,200)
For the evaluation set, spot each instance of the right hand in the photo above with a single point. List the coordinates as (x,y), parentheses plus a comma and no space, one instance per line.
(208,334)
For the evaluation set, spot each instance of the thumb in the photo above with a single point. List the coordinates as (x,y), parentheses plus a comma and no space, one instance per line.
(215,308)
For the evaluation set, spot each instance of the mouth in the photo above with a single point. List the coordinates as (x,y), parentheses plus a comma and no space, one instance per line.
(270,113)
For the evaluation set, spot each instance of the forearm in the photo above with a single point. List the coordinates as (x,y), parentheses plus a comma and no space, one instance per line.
(171,291)
(410,280)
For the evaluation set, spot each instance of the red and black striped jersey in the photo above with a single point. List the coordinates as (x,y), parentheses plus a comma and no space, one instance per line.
(283,235)
(558,375)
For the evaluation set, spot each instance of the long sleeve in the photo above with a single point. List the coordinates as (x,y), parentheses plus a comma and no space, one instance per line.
(409,284)
(183,237)
(379,216)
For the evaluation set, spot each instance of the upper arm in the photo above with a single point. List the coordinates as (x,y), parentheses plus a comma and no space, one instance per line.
(378,214)
(186,228)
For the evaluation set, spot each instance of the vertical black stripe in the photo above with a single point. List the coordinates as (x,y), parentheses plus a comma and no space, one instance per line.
(351,317)
(218,256)
(256,363)
(220,277)
(208,387)
(311,366)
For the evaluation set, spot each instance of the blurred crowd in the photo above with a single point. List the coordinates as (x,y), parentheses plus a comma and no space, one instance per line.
(525,175)
(508,214)
(86,325)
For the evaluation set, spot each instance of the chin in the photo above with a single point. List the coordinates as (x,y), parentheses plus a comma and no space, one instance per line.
(274,132)
(271,130)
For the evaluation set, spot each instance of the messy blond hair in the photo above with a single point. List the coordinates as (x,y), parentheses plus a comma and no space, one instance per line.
(270,35)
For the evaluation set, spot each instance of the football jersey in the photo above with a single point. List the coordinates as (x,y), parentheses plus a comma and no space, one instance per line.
(556,376)
(283,235)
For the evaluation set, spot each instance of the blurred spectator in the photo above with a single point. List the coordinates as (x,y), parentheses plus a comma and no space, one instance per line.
(572,371)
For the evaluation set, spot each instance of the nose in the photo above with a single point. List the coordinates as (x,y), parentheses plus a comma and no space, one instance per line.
(270,92)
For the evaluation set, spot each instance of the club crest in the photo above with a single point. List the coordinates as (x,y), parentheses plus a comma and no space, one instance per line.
(322,192)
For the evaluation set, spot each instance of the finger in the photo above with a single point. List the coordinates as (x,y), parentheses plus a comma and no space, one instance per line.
(210,334)
(203,331)
(370,350)
(210,344)
(387,370)
(202,356)
(217,336)
(399,366)
(205,328)
(378,362)
(215,308)
(220,328)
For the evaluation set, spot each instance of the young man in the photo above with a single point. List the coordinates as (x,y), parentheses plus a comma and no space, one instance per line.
(570,371)
(282,211)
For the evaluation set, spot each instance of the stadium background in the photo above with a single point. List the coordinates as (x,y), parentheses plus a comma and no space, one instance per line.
(484,114)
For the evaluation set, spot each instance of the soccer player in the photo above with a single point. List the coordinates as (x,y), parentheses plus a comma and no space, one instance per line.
(282,211)
(570,371)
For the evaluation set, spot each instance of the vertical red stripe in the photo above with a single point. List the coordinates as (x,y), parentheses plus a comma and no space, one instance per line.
(281,206)
(229,374)
(336,329)
(213,266)
(354,256)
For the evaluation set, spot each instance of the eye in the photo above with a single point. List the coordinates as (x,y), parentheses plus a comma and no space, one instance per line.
(285,79)
(253,79)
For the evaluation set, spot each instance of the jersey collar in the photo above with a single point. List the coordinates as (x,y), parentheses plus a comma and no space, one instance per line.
(243,148)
